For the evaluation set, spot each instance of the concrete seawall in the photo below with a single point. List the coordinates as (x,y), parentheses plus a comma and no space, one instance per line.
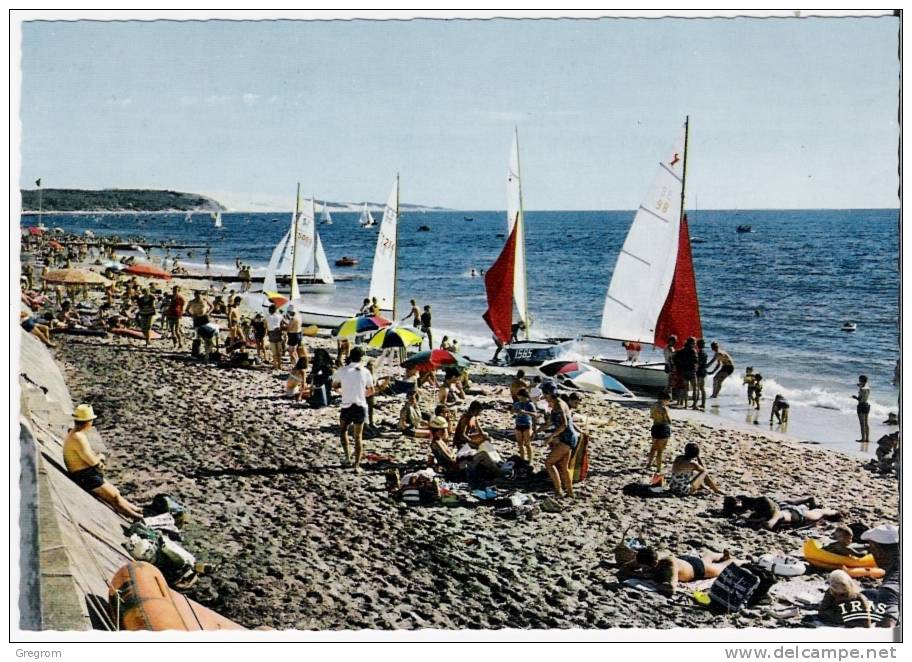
(70,543)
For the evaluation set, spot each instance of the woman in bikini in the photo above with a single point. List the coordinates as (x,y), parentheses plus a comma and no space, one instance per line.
(562,441)
(661,431)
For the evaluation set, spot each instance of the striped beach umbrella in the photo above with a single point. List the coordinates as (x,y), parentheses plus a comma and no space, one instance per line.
(361,324)
(434,359)
(395,336)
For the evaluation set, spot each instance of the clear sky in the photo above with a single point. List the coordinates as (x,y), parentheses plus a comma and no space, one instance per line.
(785,113)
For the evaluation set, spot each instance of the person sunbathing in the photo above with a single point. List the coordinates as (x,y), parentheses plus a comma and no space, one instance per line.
(31,325)
(791,515)
(407,384)
(411,420)
(453,465)
(689,475)
(86,469)
(668,571)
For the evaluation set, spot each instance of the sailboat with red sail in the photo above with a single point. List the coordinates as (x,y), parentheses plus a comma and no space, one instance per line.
(505,284)
(653,290)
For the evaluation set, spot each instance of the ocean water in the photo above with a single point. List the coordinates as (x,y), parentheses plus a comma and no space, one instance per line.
(807,271)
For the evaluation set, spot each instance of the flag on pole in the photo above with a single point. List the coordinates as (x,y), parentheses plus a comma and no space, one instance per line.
(38,182)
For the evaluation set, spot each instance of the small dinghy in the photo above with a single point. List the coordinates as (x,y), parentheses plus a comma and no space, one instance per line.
(849,327)
(346,261)
(424,228)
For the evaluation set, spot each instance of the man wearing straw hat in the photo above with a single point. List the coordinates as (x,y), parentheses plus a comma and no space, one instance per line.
(86,469)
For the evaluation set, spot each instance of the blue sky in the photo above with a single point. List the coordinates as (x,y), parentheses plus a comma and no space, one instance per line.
(785,113)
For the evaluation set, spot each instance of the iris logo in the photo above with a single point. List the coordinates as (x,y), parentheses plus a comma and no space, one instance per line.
(857,610)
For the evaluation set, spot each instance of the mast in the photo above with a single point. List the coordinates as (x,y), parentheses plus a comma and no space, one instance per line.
(684,172)
(294,246)
(521,219)
(38,182)
(396,248)
(313,213)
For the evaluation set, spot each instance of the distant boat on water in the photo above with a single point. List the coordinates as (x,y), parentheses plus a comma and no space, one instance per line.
(849,327)
(744,229)
(188,217)
(423,228)
(217,220)
(367,220)
(468,218)
(325,217)
(346,261)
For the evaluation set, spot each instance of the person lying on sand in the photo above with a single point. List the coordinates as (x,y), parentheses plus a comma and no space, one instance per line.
(668,571)
(689,475)
(782,513)
(404,385)
(40,331)
(86,469)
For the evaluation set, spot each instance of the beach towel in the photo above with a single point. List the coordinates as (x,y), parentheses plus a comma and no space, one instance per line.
(579,460)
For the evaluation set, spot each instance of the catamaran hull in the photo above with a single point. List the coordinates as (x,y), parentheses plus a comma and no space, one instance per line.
(536,352)
(642,376)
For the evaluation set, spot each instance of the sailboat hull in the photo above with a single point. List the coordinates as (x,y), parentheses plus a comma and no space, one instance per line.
(643,376)
(308,285)
(536,352)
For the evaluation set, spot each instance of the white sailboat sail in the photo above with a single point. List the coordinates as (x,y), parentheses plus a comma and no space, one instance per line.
(367,219)
(383,275)
(515,217)
(217,217)
(323,271)
(312,259)
(646,264)
(269,280)
(325,216)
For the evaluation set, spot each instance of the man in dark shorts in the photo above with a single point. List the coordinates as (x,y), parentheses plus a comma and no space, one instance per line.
(426,326)
(685,364)
(146,305)
(357,385)
(725,367)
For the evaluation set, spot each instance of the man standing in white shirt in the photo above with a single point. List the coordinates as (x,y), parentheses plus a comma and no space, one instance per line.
(274,327)
(357,385)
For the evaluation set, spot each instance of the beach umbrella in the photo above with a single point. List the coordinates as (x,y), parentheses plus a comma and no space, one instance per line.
(398,336)
(75,277)
(361,324)
(148,270)
(435,358)
(36,231)
(56,245)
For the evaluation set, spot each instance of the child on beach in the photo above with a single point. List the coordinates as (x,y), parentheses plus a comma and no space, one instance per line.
(780,410)
(661,431)
(844,603)
(258,325)
(748,381)
(524,414)
(296,386)
(758,389)
(842,541)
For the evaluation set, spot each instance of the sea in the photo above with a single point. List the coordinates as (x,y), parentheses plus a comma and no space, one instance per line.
(775,298)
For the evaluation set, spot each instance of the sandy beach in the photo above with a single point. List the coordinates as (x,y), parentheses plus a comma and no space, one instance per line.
(304,542)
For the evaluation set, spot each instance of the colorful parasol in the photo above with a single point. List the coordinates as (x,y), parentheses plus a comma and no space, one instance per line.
(560,366)
(36,231)
(398,336)
(148,270)
(434,359)
(56,245)
(361,324)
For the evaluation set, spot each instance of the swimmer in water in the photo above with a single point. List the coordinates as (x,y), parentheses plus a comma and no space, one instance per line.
(474,273)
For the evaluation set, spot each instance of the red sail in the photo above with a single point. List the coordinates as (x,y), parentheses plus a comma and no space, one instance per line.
(499,288)
(680,315)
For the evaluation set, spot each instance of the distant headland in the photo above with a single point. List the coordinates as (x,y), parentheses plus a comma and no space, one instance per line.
(65,200)
(116,200)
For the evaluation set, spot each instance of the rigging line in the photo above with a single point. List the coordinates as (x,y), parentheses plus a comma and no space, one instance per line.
(619,302)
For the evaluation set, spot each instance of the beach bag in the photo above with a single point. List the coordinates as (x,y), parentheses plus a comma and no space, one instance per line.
(164,503)
(733,589)
(579,460)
